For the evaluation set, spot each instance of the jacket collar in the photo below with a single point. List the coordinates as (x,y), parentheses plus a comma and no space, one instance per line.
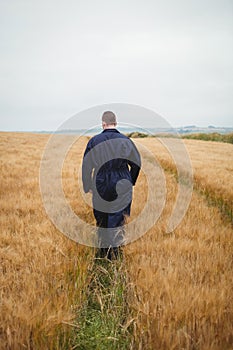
(111,130)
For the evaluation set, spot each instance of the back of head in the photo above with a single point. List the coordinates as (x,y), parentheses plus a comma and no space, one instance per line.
(109,118)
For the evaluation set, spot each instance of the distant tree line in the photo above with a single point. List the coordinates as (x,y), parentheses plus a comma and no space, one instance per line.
(214,136)
(137,134)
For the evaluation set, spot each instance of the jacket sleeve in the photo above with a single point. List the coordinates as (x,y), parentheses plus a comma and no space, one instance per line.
(135,163)
(87,167)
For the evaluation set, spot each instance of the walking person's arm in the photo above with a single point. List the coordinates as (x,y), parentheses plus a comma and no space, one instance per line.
(135,163)
(87,168)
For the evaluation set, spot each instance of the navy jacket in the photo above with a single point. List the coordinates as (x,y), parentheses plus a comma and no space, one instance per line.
(114,157)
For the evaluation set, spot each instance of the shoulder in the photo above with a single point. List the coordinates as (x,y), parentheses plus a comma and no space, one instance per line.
(103,136)
(123,136)
(94,140)
(97,138)
(118,134)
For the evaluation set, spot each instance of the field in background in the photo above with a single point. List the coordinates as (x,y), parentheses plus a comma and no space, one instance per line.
(179,285)
(212,164)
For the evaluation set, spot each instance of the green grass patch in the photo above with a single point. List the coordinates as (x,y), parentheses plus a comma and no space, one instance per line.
(102,322)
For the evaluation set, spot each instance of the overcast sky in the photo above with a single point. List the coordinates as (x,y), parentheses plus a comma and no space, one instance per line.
(60,57)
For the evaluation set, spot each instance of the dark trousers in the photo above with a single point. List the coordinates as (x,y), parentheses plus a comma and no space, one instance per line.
(110,232)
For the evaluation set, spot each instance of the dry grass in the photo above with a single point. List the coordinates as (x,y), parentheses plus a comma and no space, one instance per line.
(212,164)
(43,274)
(180,284)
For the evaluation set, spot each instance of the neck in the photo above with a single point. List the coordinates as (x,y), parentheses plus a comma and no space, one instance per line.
(110,126)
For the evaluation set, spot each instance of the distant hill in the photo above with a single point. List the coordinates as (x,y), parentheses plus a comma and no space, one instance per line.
(183,130)
(210,129)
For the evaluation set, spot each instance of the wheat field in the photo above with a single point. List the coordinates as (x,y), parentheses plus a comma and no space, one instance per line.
(179,284)
(184,281)
(43,274)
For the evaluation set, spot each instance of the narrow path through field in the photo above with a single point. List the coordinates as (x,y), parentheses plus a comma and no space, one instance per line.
(103,320)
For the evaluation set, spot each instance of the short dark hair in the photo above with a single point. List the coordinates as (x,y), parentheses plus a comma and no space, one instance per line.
(109,118)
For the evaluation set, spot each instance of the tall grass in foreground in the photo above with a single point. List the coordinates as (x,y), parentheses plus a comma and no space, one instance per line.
(104,320)
(42,273)
(182,283)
